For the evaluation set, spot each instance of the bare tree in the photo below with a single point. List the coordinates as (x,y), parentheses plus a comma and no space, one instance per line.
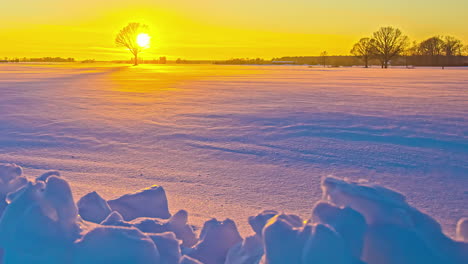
(127,37)
(452,46)
(364,49)
(389,42)
(433,46)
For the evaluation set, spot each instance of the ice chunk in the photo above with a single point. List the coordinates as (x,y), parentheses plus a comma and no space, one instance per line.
(259,221)
(176,224)
(9,172)
(92,207)
(46,175)
(168,246)
(40,223)
(325,246)
(462,229)
(10,181)
(249,251)
(116,245)
(115,219)
(150,202)
(283,242)
(216,238)
(385,208)
(347,222)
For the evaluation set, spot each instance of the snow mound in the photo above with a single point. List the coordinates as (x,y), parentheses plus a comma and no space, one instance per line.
(111,244)
(10,181)
(397,232)
(249,251)
(348,223)
(355,223)
(178,224)
(169,247)
(322,247)
(216,238)
(283,241)
(462,229)
(46,175)
(150,202)
(40,223)
(92,207)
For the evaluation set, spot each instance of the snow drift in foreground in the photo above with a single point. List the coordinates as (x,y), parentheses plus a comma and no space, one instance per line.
(356,222)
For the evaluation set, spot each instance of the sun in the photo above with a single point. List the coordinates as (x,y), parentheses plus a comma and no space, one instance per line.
(143,40)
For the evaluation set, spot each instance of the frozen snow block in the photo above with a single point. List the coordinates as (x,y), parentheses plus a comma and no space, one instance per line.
(325,246)
(46,175)
(282,241)
(347,222)
(10,181)
(10,187)
(150,202)
(115,219)
(384,207)
(259,221)
(216,238)
(92,207)
(462,229)
(177,224)
(40,223)
(249,251)
(8,172)
(116,245)
(168,247)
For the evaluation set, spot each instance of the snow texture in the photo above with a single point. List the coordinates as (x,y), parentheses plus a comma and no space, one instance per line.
(254,137)
(354,223)
(229,142)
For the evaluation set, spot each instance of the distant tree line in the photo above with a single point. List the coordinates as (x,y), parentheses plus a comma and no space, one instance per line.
(161,60)
(242,61)
(43,59)
(390,43)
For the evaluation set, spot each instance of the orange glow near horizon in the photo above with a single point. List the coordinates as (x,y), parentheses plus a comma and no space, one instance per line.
(209,29)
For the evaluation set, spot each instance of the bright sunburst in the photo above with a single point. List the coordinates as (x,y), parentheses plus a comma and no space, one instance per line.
(143,40)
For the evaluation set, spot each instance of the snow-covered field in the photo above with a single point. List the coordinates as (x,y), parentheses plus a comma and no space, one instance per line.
(229,141)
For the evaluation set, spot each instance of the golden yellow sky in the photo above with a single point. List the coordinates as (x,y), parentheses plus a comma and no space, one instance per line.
(209,29)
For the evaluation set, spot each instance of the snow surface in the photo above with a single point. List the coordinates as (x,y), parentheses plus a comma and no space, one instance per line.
(230,141)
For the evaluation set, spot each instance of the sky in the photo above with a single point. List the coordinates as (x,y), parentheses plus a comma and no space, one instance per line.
(216,29)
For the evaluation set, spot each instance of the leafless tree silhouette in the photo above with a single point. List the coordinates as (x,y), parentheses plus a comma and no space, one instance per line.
(389,42)
(433,46)
(452,46)
(127,37)
(364,49)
